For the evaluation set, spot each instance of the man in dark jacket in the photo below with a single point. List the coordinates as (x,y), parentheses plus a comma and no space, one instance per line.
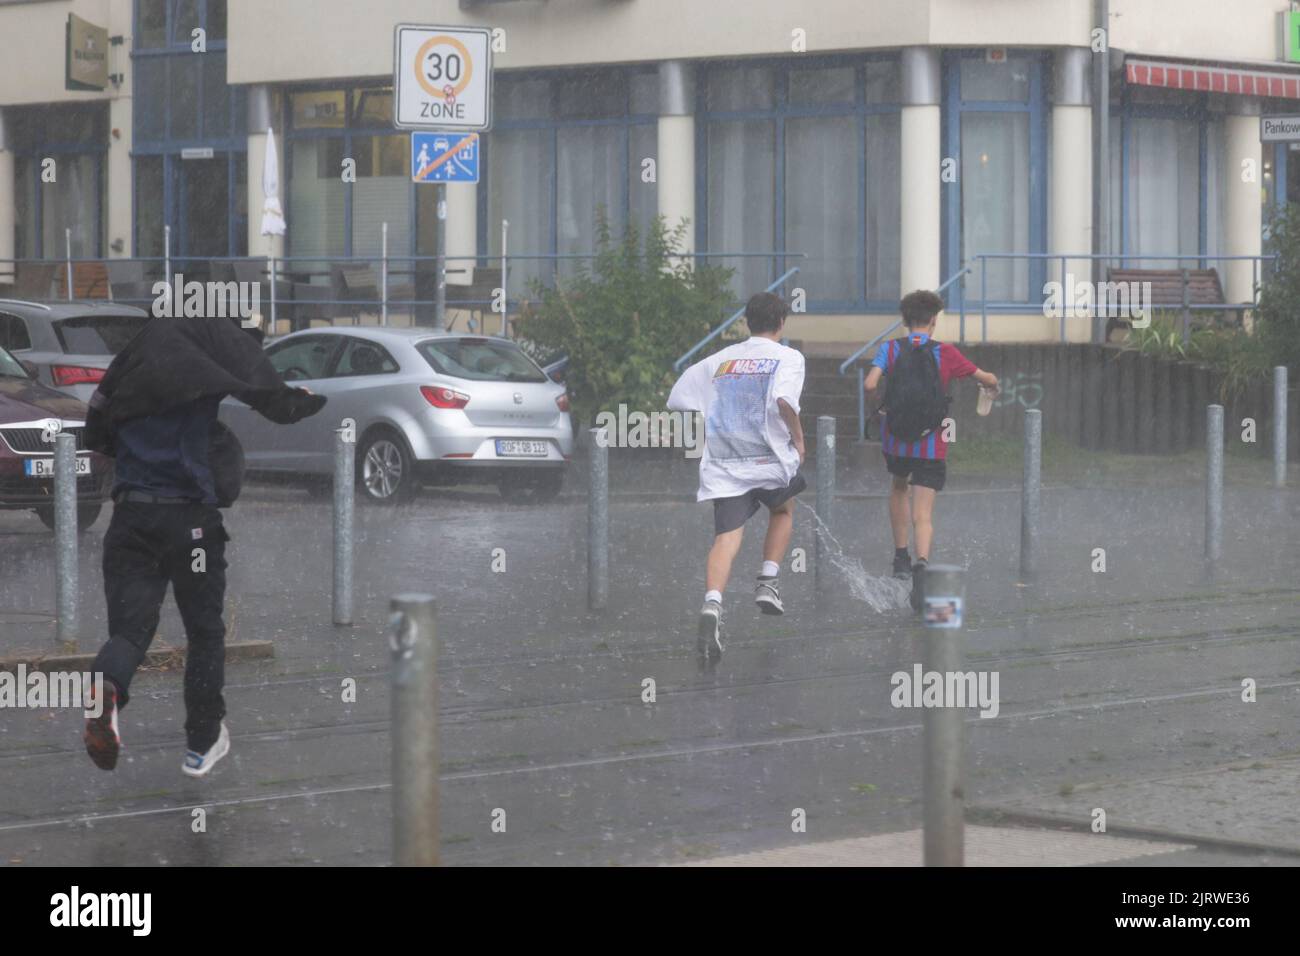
(155,414)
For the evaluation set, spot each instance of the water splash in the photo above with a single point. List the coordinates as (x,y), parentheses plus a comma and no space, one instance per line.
(881,592)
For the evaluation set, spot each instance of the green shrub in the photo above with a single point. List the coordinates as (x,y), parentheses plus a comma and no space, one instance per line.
(1278,325)
(1239,357)
(625,318)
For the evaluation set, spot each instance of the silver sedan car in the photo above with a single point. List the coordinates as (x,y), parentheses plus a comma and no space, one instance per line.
(426,407)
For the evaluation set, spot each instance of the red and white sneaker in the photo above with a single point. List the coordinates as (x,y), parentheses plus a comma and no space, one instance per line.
(103,741)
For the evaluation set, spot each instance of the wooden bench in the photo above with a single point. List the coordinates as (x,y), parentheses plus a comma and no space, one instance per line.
(1170,289)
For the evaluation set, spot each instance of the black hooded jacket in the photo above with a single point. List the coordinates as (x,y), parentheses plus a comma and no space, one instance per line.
(174,362)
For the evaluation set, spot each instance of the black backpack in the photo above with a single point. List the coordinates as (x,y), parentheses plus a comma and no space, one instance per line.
(915,404)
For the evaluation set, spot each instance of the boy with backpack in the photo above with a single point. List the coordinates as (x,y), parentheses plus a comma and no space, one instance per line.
(918,371)
(753,447)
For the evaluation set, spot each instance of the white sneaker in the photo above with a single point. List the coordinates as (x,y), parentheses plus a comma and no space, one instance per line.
(710,642)
(767,595)
(198,765)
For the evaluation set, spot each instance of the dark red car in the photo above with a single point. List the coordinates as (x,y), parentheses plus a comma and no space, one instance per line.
(29,413)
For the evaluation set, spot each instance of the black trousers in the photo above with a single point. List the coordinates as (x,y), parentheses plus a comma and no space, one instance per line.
(146,547)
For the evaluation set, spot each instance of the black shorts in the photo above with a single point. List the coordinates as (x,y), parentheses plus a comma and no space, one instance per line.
(926,472)
(732,513)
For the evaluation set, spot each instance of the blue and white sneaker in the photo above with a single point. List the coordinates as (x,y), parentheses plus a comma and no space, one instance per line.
(710,642)
(198,765)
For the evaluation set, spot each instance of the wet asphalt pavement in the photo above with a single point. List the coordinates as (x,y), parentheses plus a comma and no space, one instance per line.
(1128,674)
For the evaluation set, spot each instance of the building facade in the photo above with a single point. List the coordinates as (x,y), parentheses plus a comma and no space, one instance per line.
(877,145)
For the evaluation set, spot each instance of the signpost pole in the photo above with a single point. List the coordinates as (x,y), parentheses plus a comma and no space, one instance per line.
(442,81)
(440,242)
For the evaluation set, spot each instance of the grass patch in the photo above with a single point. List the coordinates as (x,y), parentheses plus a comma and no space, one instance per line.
(997,456)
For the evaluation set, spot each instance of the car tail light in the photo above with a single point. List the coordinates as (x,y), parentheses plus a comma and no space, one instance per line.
(562,400)
(440,397)
(75,375)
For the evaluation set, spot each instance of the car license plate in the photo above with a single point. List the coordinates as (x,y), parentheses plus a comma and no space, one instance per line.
(44,467)
(514,448)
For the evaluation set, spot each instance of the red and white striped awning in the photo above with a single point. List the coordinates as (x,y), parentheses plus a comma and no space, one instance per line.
(1212,79)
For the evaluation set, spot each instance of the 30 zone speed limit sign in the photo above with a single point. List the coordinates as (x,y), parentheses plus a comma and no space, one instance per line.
(442,77)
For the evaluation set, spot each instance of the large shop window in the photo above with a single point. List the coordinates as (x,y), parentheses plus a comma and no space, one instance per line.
(566,147)
(1167,159)
(75,139)
(804,158)
(996,125)
(183,103)
(327,216)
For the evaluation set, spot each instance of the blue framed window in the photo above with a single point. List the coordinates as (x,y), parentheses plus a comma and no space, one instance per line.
(76,139)
(1169,161)
(563,145)
(182,104)
(328,216)
(995,128)
(803,157)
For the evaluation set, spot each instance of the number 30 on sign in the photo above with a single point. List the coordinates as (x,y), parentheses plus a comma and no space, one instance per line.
(442,77)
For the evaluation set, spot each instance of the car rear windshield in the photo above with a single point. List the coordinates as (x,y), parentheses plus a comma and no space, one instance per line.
(97,334)
(480,360)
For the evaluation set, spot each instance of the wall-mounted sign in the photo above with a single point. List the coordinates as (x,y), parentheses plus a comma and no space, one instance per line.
(1279,129)
(196,152)
(86,66)
(1288,45)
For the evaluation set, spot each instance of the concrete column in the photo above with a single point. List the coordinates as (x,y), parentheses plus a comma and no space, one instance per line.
(118,214)
(921,161)
(261,117)
(8,202)
(1071,174)
(1242,201)
(675,163)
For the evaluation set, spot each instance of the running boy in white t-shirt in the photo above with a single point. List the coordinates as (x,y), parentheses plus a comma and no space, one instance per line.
(753,447)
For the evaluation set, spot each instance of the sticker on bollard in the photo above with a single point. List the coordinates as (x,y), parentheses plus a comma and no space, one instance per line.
(944,601)
(943,611)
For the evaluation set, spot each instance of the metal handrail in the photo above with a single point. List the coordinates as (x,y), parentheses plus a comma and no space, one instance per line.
(736,316)
(1122,258)
(406,265)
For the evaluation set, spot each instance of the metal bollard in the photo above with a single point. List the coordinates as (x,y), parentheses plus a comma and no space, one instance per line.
(1213,483)
(598,521)
(1031,494)
(1279,426)
(825,500)
(413,640)
(344,511)
(945,727)
(65,535)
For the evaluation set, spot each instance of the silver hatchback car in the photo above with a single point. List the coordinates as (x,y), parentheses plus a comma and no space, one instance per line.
(68,345)
(428,407)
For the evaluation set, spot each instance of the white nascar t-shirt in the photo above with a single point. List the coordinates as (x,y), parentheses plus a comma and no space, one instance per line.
(746,444)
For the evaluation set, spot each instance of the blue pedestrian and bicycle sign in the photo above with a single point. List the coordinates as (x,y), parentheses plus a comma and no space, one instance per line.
(444,157)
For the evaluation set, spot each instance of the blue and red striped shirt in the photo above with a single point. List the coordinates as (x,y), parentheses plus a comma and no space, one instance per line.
(952,365)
